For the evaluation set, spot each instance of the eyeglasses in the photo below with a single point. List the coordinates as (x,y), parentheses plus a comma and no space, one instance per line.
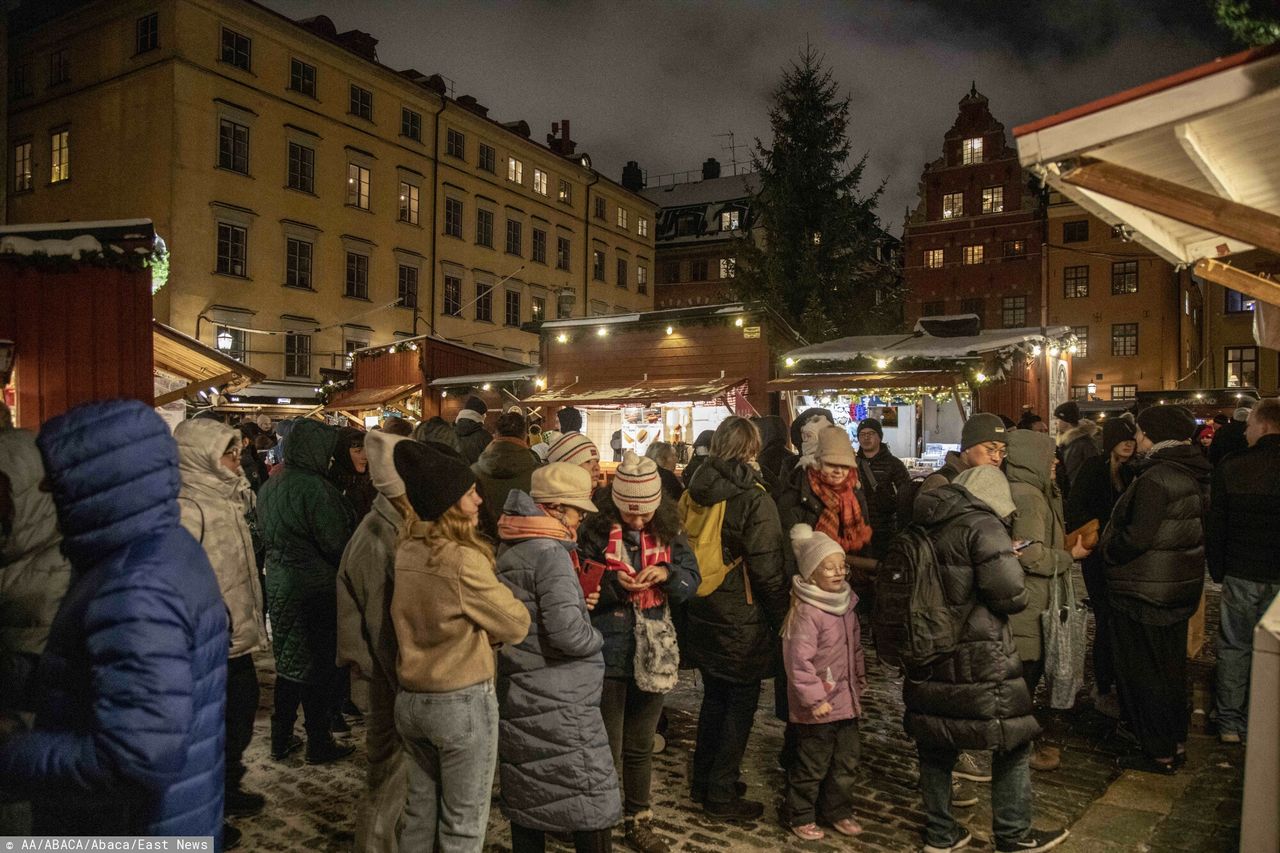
(231,451)
(994,449)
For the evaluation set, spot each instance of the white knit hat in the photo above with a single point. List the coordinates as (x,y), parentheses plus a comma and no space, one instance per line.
(637,486)
(378,447)
(574,448)
(812,548)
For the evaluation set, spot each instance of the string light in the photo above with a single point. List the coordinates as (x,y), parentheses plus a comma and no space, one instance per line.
(1054,351)
(670,330)
(738,322)
(485,387)
(980,376)
(791,362)
(602,331)
(1073,349)
(1035,350)
(562,338)
(882,363)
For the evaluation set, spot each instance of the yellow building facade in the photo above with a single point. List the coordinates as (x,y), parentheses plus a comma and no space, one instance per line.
(314,201)
(1233,358)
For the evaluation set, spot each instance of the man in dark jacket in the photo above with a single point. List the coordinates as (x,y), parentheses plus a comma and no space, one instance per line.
(701,447)
(506,464)
(473,438)
(774,455)
(1154,548)
(1244,556)
(883,477)
(131,688)
(1230,437)
(1078,439)
(975,698)
(983,441)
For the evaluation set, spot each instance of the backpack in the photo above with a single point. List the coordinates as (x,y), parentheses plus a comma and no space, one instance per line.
(702,525)
(912,623)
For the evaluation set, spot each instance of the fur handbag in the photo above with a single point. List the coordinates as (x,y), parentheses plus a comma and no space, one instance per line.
(657,661)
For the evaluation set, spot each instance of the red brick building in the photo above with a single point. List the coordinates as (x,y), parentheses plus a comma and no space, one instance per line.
(973,243)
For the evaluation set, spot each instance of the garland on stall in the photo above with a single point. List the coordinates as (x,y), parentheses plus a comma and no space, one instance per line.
(332,388)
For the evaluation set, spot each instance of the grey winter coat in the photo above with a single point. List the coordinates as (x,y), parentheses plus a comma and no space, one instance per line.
(34,574)
(554,761)
(366,579)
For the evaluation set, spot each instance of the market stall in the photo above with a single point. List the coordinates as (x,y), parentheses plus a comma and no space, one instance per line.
(190,375)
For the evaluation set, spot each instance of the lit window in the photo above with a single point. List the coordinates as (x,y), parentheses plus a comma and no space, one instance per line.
(1242,367)
(973,254)
(1124,277)
(408,203)
(622,217)
(302,77)
(1124,392)
(539,182)
(22,175)
(357,186)
(515,171)
(728,267)
(1014,248)
(971,151)
(642,226)
(566,192)
(642,279)
(952,205)
(729,220)
(1082,340)
(993,200)
(60,156)
(933,259)
(1237,302)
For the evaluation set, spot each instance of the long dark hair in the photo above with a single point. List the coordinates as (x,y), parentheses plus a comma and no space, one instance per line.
(665,524)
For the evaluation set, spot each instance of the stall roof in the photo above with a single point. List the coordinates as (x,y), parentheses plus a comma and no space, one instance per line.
(649,391)
(669,315)
(371,398)
(1189,162)
(923,345)
(198,363)
(303,392)
(481,378)
(850,381)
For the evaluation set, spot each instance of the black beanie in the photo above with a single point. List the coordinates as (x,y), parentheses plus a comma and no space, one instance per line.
(872,424)
(570,419)
(1167,423)
(476,405)
(433,481)
(1069,412)
(1116,430)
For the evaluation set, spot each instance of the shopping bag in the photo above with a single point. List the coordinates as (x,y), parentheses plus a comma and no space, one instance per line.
(1063,629)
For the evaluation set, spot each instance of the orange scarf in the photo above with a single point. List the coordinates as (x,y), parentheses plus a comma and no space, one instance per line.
(841,517)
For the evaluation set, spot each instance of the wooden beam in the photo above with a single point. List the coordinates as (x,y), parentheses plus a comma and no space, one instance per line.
(1203,210)
(178,394)
(1250,284)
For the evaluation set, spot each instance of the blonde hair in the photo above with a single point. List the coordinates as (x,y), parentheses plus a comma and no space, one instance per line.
(454,527)
(736,438)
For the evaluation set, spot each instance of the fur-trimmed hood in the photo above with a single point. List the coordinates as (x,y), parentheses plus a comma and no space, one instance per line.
(1085,429)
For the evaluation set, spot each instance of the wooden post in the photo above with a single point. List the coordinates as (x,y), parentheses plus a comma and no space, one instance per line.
(1250,284)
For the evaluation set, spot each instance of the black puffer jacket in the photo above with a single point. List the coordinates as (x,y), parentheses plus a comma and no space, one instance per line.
(473,438)
(727,635)
(975,698)
(891,478)
(1244,517)
(799,505)
(1154,544)
(1227,440)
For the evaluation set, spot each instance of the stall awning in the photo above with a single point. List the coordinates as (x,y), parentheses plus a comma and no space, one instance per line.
(478,379)
(201,365)
(648,391)
(370,398)
(858,381)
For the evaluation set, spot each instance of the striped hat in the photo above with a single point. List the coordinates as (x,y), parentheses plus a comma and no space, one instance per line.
(637,487)
(574,448)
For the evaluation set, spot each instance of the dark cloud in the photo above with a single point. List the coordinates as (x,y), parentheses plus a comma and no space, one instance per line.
(656,81)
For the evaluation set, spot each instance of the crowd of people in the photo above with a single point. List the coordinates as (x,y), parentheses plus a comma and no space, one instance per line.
(512,612)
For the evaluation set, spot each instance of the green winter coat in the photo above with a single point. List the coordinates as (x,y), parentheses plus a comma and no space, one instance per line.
(306,524)
(1038,518)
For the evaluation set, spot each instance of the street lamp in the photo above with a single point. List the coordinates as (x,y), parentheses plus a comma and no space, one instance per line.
(1092,388)
(224,339)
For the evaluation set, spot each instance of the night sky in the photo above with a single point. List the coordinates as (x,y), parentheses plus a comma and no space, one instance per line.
(656,81)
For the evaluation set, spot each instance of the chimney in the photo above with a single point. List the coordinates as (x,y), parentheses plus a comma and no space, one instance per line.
(559,141)
(468,102)
(632,176)
(710,169)
(360,43)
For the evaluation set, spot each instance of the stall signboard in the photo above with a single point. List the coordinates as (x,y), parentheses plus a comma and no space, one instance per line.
(641,427)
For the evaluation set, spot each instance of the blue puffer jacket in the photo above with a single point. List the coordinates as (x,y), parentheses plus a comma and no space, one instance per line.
(130,692)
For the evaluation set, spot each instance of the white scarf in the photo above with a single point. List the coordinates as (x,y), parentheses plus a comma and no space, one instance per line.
(469,415)
(1161,445)
(835,603)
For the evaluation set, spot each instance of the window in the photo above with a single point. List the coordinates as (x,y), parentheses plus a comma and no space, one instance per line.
(236,49)
(233,146)
(455,144)
(622,272)
(1075,282)
(22,175)
(1014,248)
(976,305)
(934,309)
(697,270)
(488,158)
(1082,340)
(302,78)
(1013,312)
(232,242)
(515,237)
(147,37)
(1079,392)
(361,103)
(972,254)
(59,156)
(1124,277)
(599,208)
(297,264)
(297,355)
(1237,302)
(539,308)
(1075,232)
(20,83)
(515,171)
(410,124)
(566,192)
(540,245)
(671,272)
(728,267)
(597,265)
(1242,367)
(453,217)
(407,286)
(408,203)
(1124,339)
(302,168)
(971,151)
(729,220)
(622,217)
(565,302)
(933,259)
(993,200)
(952,205)
(59,67)
(349,348)
(642,226)
(562,253)
(539,182)
(642,279)
(1124,392)
(452,295)
(484,302)
(484,228)
(357,186)
(357,284)
(230,341)
(512,317)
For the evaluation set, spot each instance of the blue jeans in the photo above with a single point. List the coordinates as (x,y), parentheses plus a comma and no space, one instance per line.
(1010,794)
(1243,604)
(452,743)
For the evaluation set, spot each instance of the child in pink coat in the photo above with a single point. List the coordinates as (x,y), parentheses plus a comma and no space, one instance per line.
(822,650)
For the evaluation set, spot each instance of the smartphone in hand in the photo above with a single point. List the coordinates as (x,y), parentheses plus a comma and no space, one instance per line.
(590,575)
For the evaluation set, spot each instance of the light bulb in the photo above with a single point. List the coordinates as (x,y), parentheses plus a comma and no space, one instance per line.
(882,363)
(670,330)
(1035,350)
(981,377)
(1054,351)
(738,322)
(562,338)
(790,362)
(484,387)
(1073,349)
(602,331)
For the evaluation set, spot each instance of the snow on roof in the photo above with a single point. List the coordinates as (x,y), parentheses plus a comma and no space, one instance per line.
(76,238)
(13,245)
(78,227)
(726,188)
(922,345)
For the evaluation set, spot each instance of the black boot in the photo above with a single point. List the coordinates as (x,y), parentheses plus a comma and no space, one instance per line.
(325,751)
(240,803)
(282,746)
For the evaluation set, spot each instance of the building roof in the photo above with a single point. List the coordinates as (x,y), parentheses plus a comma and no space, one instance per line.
(726,188)
(668,315)
(923,345)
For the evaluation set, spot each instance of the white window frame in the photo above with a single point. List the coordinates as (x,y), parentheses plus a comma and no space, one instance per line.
(949,208)
(515,170)
(622,217)
(971,151)
(358,180)
(729,220)
(408,203)
(539,182)
(642,226)
(60,156)
(993,199)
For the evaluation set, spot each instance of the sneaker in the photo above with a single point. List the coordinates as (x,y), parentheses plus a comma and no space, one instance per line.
(1034,841)
(1045,758)
(638,834)
(974,766)
(659,743)
(1232,738)
(241,803)
(963,839)
(739,809)
(962,795)
(230,837)
(282,751)
(327,751)
(808,832)
(847,826)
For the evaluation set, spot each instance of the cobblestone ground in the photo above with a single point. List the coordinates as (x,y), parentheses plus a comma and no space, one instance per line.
(311,808)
